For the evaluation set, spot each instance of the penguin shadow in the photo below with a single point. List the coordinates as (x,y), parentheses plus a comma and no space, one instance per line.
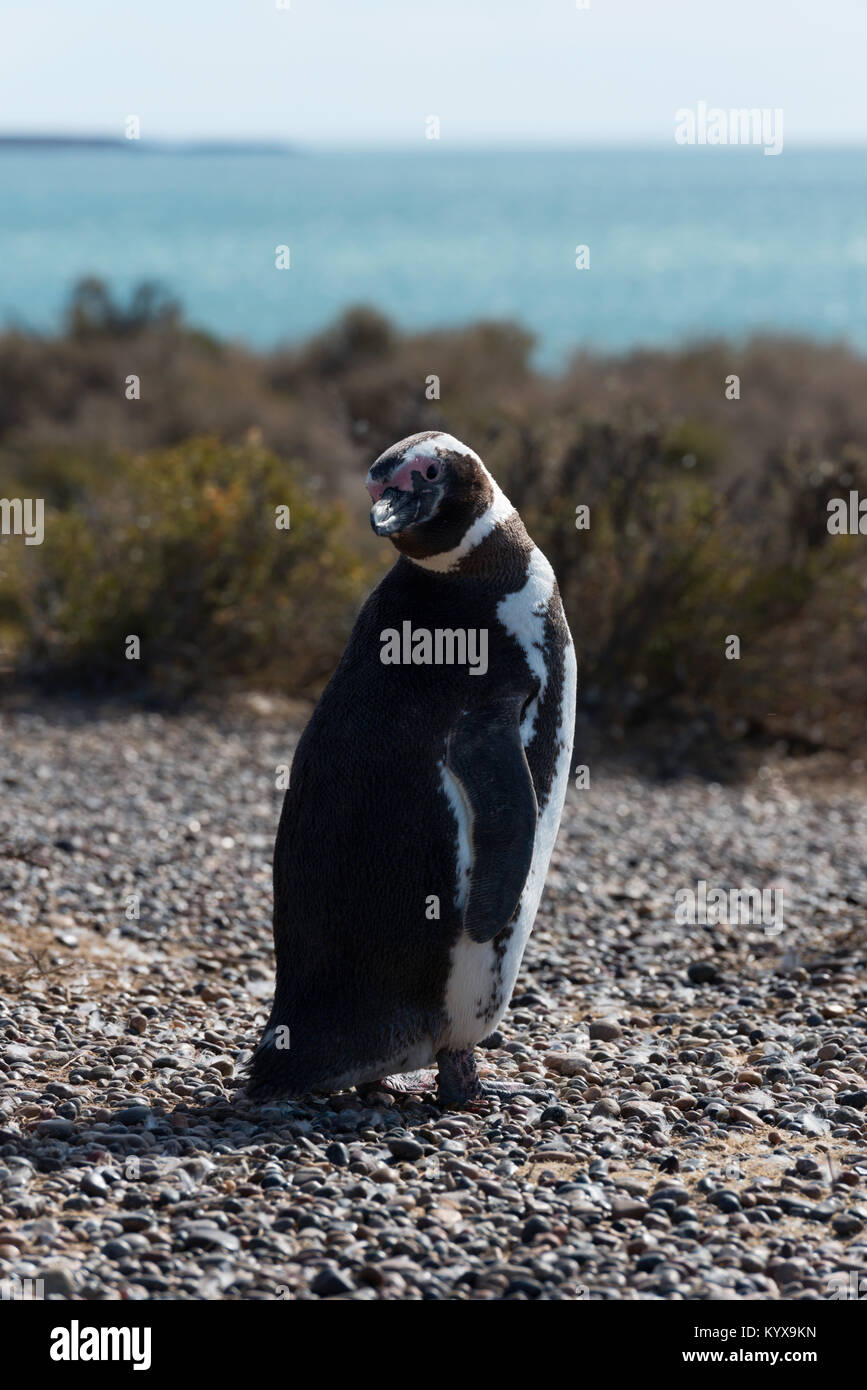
(338,1116)
(324,1113)
(154,1155)
(142,1144)
(240,1121)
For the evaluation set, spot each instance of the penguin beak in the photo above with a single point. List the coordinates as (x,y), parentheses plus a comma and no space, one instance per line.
(397,509)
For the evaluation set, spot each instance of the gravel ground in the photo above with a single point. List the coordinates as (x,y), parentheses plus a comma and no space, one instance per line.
(706,1136)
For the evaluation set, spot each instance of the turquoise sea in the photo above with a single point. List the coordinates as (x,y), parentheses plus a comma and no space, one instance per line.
(684,243)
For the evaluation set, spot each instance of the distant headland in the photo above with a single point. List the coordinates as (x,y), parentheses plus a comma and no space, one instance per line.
(113,143)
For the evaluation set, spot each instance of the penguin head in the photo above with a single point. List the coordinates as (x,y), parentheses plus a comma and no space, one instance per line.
(430,492)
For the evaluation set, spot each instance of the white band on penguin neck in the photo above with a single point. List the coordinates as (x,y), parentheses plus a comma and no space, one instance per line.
(498,511)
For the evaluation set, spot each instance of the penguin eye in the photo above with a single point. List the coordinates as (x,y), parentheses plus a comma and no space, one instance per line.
(432,470)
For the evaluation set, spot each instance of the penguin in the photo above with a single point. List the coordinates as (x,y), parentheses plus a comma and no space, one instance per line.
(424,798)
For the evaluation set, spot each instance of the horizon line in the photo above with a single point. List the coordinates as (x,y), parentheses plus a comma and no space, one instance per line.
(180,144)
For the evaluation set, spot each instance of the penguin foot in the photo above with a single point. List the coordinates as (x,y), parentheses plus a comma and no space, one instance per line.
(460,1085)
(413,1083)
(458,1081)
(457,1084)
(509,1090)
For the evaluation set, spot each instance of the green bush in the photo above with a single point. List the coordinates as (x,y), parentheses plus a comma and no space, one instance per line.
(181,549)
(674,564)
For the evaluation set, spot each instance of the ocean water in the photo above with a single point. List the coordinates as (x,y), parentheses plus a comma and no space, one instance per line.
(684,243)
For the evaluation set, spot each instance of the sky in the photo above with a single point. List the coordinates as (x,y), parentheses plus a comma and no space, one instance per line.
(358,73)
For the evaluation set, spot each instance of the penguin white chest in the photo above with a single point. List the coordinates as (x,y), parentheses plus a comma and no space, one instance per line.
(482,975)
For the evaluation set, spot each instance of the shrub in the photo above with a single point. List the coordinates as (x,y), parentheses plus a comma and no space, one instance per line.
(181,548)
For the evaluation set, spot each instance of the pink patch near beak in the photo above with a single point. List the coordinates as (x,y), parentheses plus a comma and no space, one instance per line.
(401,477)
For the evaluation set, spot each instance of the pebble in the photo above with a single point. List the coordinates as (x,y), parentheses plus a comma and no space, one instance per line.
(625,1208)
(329,1283)
(847,1223)
(702,972)
(406,1149)
(606,1030)
(56,1129)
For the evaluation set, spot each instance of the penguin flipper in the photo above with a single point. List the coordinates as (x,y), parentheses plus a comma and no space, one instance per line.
(486,757)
